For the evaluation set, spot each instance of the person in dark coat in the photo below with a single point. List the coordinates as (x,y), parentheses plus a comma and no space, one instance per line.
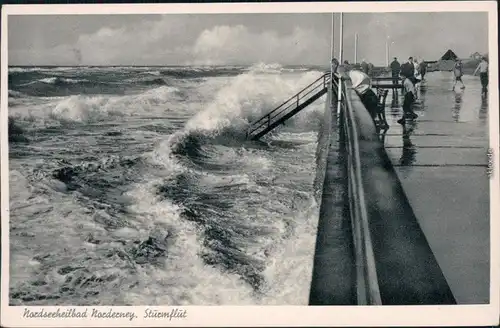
(408,69)
(364,66)
(347,66)
(370,69)
(395,69)
(423,68)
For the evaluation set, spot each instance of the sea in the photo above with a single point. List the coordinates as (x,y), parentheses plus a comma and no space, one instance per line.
(137,186)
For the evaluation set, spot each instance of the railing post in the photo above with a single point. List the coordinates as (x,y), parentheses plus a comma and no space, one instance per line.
(268,120)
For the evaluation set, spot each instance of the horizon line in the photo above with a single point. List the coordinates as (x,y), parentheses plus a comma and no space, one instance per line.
(154,65)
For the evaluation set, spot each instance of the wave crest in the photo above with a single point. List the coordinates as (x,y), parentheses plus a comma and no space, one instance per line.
(246,98)
(80,108)
(265,68)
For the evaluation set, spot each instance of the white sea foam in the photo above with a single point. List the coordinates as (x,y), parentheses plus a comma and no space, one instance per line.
(282,225)
(248,96)
(24,69)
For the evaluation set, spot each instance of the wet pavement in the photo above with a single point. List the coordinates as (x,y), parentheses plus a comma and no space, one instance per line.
(441,161)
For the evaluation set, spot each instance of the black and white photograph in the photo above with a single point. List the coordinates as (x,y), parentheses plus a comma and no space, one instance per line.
(336,158)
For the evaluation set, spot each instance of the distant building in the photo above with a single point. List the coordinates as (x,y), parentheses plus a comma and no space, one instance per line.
(449,55)
(447,61)
(476,56)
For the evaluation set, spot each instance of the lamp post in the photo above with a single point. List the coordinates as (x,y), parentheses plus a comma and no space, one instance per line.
(332,38)
(339,92)
(387,50)
(356,48)
(332,69)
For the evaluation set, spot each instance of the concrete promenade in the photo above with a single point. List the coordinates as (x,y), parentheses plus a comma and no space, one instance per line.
(441,161)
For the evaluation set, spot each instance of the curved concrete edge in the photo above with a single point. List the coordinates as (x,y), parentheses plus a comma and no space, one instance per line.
(324,140)
(334,277)
(407,270)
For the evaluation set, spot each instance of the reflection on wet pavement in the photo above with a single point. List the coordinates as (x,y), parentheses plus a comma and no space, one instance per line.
(441,161)
(457,107)
(409,151)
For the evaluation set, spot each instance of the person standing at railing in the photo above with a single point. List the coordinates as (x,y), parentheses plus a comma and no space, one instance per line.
(333,71)
(395,69)
(364,66)
(409,99)
(334,64)
(483,74)
(347,67)
(423,69)
(370,69)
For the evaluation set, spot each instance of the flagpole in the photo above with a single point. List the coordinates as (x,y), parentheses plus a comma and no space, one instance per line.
(341,43)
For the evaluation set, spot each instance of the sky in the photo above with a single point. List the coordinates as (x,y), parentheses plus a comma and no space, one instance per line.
(239,39)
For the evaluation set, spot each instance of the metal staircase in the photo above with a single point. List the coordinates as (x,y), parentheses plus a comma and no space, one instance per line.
(289,108)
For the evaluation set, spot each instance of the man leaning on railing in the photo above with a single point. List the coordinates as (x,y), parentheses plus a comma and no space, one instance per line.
(361,83)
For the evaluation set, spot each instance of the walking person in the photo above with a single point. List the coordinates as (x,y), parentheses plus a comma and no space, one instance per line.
(409,99)
(458,72)
(483,74)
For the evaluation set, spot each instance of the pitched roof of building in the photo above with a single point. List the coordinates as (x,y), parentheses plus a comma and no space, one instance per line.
(449,55)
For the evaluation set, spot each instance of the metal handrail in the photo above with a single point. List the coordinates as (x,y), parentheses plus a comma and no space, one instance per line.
(270,117)
(297,97)
(368,292)
(254,126)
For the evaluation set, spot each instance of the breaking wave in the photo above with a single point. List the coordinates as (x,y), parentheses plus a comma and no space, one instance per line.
(197,215)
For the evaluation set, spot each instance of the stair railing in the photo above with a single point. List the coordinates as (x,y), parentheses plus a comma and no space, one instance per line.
(292,103)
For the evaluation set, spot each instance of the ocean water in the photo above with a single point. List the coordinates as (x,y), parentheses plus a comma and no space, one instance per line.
(136,186)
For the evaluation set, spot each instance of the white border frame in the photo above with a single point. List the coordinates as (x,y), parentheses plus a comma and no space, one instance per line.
(453,315)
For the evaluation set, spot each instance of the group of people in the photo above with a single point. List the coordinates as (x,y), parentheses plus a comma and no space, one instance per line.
(412,73)
(411,69)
